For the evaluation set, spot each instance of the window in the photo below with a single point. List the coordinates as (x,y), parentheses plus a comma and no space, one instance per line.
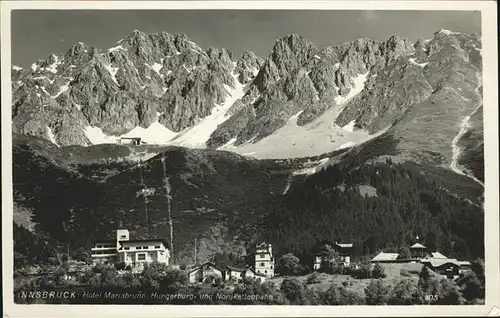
(262,264)
(241,274)
(123,236)
(271,266)
(126,248)
(262,255)
(141,257)
(265,272)
(145,247)
(138,247)
(157,246)
(99,246)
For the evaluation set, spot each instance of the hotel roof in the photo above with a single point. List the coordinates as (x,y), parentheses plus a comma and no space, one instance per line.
(385,257)
(145,241)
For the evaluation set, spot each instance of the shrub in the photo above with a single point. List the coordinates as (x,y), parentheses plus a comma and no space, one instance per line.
(405,292)
(294,291)
(377,293)
(448,293)
(378,271)
(364,271)
(313,278)
(339,295)
(345,283)
(120,266)
(404,253)
(289,264)
(471,287)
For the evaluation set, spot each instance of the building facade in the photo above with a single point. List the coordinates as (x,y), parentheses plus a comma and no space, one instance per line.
(344,251)
(207,271)
(264,260)
(131,252)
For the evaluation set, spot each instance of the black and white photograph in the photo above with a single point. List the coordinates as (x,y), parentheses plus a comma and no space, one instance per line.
(274,157)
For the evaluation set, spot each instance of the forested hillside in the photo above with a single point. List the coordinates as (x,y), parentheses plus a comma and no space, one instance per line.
(379,206)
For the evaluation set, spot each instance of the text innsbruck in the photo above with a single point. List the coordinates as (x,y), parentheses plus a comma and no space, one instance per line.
(41,294)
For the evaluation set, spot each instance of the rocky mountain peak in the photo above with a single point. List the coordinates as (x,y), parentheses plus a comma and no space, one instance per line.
(291,51)
(248,66)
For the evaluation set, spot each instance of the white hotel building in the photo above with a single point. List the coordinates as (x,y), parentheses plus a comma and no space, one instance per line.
(130,252)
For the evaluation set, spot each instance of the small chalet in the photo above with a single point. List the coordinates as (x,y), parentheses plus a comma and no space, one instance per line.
(344,251)
(235,273)
(209,272)
(206,272)
(136,141)
(445,266)
(418,250)
(251,273)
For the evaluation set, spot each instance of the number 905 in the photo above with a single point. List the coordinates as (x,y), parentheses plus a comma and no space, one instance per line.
(431,297)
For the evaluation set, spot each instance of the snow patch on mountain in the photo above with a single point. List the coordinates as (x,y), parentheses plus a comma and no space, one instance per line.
(16,68)
(51,136)
(197,135)
(359,85)
(350,126)
(228,145)
(317,137)
(447,32)
(346,145)
(311,167)
(44,90)
(34,67)
(156,67)
(112,71)
(62,89)
(115,48)
(96,136)
(156,134)
(53,67)
(422,65)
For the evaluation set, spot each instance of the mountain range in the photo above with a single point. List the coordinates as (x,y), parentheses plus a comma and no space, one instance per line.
(232,143)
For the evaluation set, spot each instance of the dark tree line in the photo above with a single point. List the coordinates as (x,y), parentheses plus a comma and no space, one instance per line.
(410,201)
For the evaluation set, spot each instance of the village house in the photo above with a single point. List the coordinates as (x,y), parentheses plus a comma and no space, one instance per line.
(135,253)
(264,268)
(448,266)
(209,272)
(344,251)
(443,265)
(235,273)
(206,272)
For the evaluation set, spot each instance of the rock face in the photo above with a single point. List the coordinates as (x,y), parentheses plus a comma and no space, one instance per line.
(415,89)
(298,77)
(143,79)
